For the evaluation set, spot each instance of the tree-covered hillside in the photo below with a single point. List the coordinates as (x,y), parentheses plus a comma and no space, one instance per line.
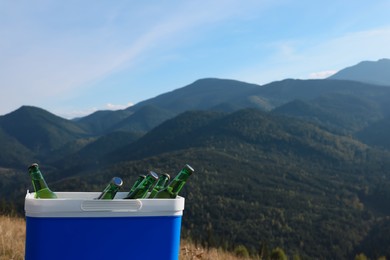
(263,181)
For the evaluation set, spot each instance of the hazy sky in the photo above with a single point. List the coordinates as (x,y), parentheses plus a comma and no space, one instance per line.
(74,57)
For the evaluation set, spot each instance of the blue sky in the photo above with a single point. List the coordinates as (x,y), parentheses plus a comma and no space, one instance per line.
(75,57)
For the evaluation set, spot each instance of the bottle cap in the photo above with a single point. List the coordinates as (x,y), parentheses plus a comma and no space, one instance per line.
(34,165)
(189,167)
(153,174)
(166,175)
(117,181)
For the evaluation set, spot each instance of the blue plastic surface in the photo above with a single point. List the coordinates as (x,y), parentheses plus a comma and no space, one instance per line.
(97,238)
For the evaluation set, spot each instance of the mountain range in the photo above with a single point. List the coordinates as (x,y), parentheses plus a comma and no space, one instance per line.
(375,72)
(278,160)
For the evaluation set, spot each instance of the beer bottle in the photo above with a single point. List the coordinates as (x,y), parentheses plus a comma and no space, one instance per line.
(136,183)
(174,187)
(111,189)
(40,186)
(161,183)
(141,190)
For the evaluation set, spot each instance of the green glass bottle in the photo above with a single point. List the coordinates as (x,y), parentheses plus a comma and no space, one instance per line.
(42,191)
(161,184)
(111,189)
(142,189)
(174,187)
(136,183)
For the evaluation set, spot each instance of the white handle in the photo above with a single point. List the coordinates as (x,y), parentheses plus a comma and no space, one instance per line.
(112,205)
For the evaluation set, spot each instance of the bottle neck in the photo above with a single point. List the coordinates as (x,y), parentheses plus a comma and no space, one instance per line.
(137,182)
(36,175)
(38,181)
(161,182)
(147,182)
(143,187)
(111,189)
(178,182)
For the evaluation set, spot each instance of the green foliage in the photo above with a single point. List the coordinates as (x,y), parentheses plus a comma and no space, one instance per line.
(376,242)
(376,134)
(361,256)
(336,111)
(241,251)
(13,153)
(278,254)
(296,257)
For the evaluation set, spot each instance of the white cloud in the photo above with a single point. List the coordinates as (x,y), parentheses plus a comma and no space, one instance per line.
(110,106)
(70,113)
(75,113)
(322,74)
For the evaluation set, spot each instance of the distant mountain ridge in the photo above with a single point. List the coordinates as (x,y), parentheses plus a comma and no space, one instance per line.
(341,105)
(372,72)
(210,94)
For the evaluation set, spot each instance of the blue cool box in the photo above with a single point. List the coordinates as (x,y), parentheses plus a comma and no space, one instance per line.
(76,226)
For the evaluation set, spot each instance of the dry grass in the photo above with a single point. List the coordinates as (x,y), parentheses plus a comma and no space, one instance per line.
(188,251)
(12,238)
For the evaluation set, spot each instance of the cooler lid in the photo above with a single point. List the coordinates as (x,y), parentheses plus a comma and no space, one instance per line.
(84,204)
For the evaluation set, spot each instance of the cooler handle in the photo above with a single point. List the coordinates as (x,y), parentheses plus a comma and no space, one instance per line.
(112,205)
